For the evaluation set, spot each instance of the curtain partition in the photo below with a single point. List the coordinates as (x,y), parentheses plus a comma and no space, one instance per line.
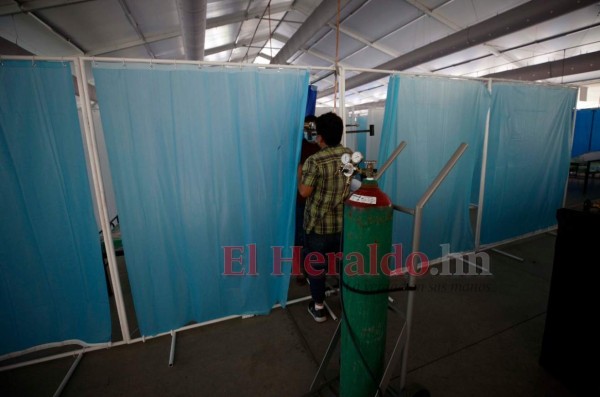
(52,283)
(361,139)
(203,164)
(587,132)
(528,159)
(434,116)
(204,170)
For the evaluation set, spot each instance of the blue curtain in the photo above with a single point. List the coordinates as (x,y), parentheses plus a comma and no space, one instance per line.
(528,159)
(52,284)
(202,160)
(587,132)
(434,116)
(357,141)
(582,138)
(311,100)
(361,139)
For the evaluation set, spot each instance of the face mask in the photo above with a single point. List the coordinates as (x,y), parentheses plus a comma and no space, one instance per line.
(310,131)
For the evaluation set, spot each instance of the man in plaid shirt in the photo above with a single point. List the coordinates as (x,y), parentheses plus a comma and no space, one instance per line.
(324,186)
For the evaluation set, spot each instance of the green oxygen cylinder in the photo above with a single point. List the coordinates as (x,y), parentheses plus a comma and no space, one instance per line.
(367,238)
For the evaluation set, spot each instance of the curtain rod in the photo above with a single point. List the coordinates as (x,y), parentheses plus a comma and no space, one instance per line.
(447,76)
(331,68)
(201,63)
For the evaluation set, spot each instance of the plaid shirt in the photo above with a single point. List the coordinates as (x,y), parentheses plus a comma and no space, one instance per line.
(324,212)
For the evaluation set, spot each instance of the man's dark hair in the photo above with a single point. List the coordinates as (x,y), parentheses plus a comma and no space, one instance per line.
(330,126)
(310,118)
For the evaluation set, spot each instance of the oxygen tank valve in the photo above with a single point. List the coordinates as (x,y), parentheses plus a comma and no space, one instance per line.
(369,172)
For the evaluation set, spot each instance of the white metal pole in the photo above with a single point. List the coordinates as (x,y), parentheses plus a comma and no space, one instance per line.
(390,160)
(64,382)
(508,255)
(342,93)
(90,134)
(172,352)
(416,244)
(200,63)
(483,173)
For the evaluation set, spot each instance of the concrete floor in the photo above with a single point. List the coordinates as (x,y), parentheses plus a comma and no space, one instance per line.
(472,336)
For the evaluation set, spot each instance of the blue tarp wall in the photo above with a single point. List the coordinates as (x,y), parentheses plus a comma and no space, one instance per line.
(203,163)
(527,158)
(202,160)
(52,283)
(434,116)
(587,132)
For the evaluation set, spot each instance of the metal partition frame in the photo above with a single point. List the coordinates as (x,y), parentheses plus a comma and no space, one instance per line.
(87,101)
(418,216)
(89,134)
(98,194)
(489,81)
(79,64)
(479,219)
(483,174)
(403,339)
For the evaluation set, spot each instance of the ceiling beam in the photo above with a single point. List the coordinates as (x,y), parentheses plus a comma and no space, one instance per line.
(242,44)
(356,36)
(233,46)
(242,16)
(293,6)
(563,67)
(317,20)
(440,18)
(523,45)
(451,25)
(455,28)
(381,38)
(513,20)
(23,15)
(136,27)
(503,54)
(320,55)
(133,43)
(36,5)
(352,12)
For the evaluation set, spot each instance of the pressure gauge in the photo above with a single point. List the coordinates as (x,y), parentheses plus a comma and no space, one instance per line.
(345,158)
(356,157)
(348,170)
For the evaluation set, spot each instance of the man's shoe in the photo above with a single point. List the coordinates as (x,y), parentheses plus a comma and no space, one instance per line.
(318,315)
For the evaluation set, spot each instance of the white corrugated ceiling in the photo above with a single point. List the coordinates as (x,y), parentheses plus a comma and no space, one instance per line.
(371,33)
